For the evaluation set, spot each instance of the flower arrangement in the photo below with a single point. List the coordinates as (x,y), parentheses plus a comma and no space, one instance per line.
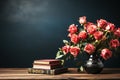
(101,39)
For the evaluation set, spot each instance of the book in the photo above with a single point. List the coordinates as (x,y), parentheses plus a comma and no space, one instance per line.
(47,66)
(47,71)
(48,61)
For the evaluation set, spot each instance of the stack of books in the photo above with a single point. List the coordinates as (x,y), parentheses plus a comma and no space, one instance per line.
(47,66)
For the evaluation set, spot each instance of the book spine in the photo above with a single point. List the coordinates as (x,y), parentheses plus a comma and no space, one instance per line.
(44,71)
(40,71)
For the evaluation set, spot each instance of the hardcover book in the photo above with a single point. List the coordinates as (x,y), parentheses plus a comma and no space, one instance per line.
(47,66)
(47,61)
(47,71)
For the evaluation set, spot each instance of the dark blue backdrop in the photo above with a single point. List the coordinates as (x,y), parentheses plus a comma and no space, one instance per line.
(34,29)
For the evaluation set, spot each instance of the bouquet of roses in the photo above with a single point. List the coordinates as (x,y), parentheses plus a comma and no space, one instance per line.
(101,39)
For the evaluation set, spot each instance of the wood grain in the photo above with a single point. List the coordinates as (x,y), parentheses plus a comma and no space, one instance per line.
(22,73)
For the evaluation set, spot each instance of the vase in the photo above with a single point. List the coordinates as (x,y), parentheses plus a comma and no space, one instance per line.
(93,65)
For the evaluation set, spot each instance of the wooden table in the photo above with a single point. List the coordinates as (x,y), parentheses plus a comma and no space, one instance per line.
(22,73)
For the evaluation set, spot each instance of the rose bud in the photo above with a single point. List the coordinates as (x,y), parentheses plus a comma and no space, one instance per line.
(91,28)
(102,23)
(66,49)
(82,20)
(98,35)
(89,48)
(82,35)
(110,27)
(72,28)
(106,53)
(74,38)
(74,50)
(117,32)
(114,43)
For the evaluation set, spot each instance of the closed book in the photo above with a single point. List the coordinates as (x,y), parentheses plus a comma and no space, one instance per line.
(47,61)
(47,66)
(47,71)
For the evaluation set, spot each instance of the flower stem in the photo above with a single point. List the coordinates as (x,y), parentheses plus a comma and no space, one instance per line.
(100,41)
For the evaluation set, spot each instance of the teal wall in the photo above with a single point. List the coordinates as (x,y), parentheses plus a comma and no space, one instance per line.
(34,29)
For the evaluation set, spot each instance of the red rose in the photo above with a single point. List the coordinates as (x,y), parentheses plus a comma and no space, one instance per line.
(98,35)
(117,32)
(114,43)
(87,24)
(74,51)
(72,29)
(82,35)
(106,53)
(82,20)
(89,48)
(74,38)
(66,49)
(110,27)
(91,28)
(102,23)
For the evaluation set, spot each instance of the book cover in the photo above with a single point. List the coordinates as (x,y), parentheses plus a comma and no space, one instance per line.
(47,61)
(47,66)
(47,71)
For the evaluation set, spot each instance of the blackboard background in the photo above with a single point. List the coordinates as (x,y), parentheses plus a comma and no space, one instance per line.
(34,29)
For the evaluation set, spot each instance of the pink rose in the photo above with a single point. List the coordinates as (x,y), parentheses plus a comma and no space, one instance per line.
(66,49)
(72,29)
(110,27)
(106,53)
(89,48)
(82,35)
(74,50)
(102,23)
(98,35)
(74,38)
(117,32)
(91,28)
(114,43)
(82,20)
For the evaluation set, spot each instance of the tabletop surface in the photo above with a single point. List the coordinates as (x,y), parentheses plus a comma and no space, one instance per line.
(22,73)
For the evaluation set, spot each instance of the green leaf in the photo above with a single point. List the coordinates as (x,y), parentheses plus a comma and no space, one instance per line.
(59,55)
(62,62)
(65,41)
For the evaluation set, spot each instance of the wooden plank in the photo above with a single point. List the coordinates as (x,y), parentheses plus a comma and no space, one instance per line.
(21,73)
